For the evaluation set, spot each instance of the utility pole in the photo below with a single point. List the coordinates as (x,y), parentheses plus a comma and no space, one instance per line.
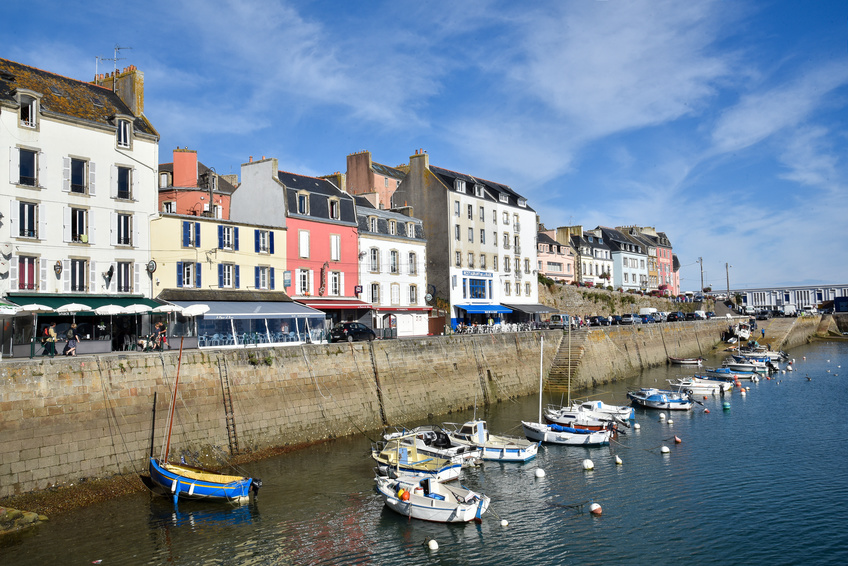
(727,267)
(701,261)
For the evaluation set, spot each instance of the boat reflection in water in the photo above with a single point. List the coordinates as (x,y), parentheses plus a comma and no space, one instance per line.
(163,515)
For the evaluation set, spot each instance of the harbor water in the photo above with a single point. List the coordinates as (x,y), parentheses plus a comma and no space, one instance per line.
(761,482)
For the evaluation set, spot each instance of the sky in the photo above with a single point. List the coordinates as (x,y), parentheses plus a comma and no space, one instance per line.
(722,124)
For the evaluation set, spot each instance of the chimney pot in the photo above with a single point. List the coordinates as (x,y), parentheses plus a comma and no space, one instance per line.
(251,159)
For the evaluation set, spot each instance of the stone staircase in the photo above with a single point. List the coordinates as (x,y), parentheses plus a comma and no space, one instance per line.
(565,365)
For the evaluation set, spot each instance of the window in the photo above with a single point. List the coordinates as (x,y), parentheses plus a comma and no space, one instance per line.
(79,269)
(124,179)
(495,238)
(27,220)
(464,288)
(482,214)
(225,275)
(526,265)
(335,283)
(79,225)
(506,265)
(29,111)
(395,294)
(494,217)
(264,277)
(372,224)
(228,237)
(471,212)
(506,218)
(470,260)
(471,235)
(27,168)
(482,261)
(375,260)
(456,208)
(392,227)
(456,232)
(394,266)
(303,203)
(27,270)
(264,241)
(188,274)
(459,185)
(482,236)
(413,295)
(169,207)
(335,207)
(459,259)
(164,180)
(478,190)
(522,202)
(527,289)
(78,175)
(375,293)
(191,234)
(304,282)
(517,241)
(413,263)
(124,133)
(335,247)
(507,288)
(495,263)
(626,280)
(410,229)
(506,240)
(303,243)
(517,265)
(477,288)
(125,276)
(123,229)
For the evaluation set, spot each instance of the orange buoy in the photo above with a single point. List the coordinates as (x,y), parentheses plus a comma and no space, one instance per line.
(595,509)
(705,396)
(706,410)
(677,440)
(405,496)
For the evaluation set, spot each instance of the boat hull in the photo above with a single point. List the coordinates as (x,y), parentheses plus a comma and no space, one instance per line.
(443,505)
(191,483)
(552,434)
(656,399)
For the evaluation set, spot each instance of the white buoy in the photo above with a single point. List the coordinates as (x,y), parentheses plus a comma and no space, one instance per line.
(743,392)
(618,460)
(789,368)
(636,426)
(783,371)
(432,544)
(828,361)
(662,416)
(540,473)
(595,509)
(504,522)
(665,450)
(588,464)
(670,422)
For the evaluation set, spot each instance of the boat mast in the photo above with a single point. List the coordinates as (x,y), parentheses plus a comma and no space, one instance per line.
(541,363)
(173,404)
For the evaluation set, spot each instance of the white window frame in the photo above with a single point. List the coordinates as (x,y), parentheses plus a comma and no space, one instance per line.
(374,260)
(123,134)
(335,247)
(375,293)
(394,262)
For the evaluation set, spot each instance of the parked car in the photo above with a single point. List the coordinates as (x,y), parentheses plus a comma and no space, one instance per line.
(672,317)
(647,318)
(350,331)
(615,319)
(689,316)
(710,314)
(626,318)
(763,315)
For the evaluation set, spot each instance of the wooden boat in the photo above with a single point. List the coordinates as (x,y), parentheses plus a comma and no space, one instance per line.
(400,456)
(429,500)
(700,386)
(186,482)
(661,399)
(685,361)
(569,436)
(435,441)
(492,447)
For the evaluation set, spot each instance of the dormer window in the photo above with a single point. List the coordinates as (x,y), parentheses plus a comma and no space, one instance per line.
(600,240)
(124,133)
(459,185)
(392,227)
(303,203)
(590,239)
(335,206)
(29,107)
(503,197)
(164,181)
(522,202)
(410,229)
(372,224)
(478,191)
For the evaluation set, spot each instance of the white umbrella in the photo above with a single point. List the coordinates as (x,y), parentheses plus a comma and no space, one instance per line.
(196,309)
(72,308)
(168,308)
(137,308)
(109,310)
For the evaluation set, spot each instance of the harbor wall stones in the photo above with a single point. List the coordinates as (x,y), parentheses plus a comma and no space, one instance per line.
(802,331)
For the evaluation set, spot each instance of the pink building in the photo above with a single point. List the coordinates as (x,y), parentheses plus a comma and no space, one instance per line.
(555,260)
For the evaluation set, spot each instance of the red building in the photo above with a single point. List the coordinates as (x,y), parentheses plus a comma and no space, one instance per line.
(186,186)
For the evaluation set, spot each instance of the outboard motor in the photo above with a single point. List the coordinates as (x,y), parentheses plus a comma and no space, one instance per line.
(255,484)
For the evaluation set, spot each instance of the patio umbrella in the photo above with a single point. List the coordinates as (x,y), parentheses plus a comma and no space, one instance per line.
(110,311)
(196,309)
(168,308)
(137,309)
(73,309)
(34,309)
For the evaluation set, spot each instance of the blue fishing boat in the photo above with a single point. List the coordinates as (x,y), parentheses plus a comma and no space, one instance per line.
(661,399)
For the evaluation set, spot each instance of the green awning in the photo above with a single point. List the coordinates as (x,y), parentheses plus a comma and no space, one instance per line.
(55,301)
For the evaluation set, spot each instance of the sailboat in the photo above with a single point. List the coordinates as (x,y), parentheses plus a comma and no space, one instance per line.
(187,482)
(556,434)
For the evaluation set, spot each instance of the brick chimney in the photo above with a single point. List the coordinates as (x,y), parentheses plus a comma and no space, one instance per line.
(185,167)
(128,85)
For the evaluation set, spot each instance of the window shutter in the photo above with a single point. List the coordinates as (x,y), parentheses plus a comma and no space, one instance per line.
(235,238)
(197,234)
(179,274)
(186,234)
(220,276)
(220,237)
(256,277)
(236,283)
(92,276)
(256,241)
(137,278)
(113,182)
(136,232)
(311,282)
(271,278)
(66,227)
(42,279)
(66,174)
(341,284)
(91,178)
(271,241)
(66,275)
(42,169)
(13,272)
(14,212)
(135,182)
(42,223)
(197,275)
(113,228)
(14,165)
(92,227)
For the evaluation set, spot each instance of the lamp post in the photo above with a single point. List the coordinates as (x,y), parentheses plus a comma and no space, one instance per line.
(727,267)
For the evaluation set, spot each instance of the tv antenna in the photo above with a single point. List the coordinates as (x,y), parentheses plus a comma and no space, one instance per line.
(114,60)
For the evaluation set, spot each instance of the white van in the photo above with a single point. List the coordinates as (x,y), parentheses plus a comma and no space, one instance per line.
(749,310)
(700,315)
(789,310)
(647,310)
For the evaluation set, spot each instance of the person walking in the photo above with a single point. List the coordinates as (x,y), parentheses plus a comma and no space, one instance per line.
(73,338)
(50,347)
(763,330)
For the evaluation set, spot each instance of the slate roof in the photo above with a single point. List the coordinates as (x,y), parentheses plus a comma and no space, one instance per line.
(224,186)
(320,191)
(62,96)
(383,217)
(491,190)
(387,171)
(618,239)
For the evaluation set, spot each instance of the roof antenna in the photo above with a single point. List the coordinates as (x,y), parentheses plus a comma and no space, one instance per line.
(115,60)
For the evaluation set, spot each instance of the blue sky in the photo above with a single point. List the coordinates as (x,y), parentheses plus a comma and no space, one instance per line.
(720,123)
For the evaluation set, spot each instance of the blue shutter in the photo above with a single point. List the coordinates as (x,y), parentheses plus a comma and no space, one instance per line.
(197,234)
(186,234)
(235,238)
(197,278)
(220,275)
(256,241)
(271,242)
(180,272)
(236,268)
(220,237)
(256,277)
(271,278)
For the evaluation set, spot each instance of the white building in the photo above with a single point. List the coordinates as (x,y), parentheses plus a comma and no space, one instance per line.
(392,270)
(80,182)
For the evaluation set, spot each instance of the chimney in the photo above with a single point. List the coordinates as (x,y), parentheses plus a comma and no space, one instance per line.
(420,160)
(128,84)
(185,168)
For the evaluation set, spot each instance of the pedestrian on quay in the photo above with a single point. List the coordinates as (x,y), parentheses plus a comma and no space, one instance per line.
(764,332)
(73,337)
(50,346)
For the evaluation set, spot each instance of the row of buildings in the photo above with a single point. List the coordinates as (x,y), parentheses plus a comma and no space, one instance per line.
(95,218)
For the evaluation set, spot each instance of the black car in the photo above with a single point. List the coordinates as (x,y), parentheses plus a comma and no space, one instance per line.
(689,316)
(351,331)
(615,319)
(673,317)
(710,314)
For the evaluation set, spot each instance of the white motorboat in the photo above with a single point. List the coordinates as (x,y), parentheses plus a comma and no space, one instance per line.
(398,457)
(701,386)
(556,434)
(659,399)
(435,441)
(685,361)
(624,412)
(429,500)
(492,447)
